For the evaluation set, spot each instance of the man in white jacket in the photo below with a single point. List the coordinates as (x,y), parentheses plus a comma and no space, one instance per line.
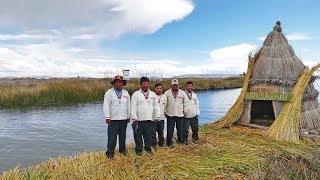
(159,125)
(175,111)
(192,113)
(144,110)
(116,108)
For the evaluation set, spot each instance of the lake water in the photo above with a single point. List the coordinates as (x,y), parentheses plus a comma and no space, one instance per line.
(30,136)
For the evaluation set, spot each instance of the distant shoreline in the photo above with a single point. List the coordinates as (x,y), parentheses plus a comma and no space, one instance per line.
(29,92)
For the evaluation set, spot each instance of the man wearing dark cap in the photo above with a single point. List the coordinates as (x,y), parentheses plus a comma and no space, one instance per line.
(116,108)
(192,113)
(144,111)
(159,125)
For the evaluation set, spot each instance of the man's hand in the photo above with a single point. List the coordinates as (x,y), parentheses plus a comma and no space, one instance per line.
(135,126)
(156,120)
(108,121)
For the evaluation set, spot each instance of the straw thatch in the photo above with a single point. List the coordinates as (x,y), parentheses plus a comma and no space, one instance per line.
(276,70)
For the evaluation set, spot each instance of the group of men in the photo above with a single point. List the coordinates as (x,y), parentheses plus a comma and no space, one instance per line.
(148,110)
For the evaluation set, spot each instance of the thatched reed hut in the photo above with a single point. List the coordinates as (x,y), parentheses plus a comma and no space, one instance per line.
(278,92)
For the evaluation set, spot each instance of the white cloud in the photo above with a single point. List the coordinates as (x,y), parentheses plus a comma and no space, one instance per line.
(85,36)
(231,58)
(294,37)
(90,18)
(61,38)
(55,60)
(5,37)
(298,36)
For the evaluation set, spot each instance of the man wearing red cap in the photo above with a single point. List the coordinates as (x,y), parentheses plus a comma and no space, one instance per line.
(116,108)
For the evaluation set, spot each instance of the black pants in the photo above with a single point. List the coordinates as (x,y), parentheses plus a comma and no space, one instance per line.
(193,122)
(144,131)
(115,128)
(171,122)
(158,127)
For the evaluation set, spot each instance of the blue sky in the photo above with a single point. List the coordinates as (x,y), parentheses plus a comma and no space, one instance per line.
(100,38)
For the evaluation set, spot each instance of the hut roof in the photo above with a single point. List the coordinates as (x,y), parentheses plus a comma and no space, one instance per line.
(277,63)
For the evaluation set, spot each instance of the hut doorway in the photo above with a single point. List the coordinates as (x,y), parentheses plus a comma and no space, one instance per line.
(262,113)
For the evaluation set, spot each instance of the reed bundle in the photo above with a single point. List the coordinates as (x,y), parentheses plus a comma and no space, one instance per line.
(235,111)
(286,125)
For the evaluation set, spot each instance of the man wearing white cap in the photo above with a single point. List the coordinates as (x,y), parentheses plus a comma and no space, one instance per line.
(116,108)
(175,111)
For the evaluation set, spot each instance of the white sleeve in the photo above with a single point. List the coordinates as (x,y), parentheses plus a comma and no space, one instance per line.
(197,106)
(134,107)
(128,107)
(106,105)
(185,103)
(165,105)
(156,107)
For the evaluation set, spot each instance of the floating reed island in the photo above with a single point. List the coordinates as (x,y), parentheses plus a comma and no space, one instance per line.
(278,91)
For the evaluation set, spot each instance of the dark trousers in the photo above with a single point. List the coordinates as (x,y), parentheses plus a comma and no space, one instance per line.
(115,128)
(193,122)
(195,128)
(171,122)
(158,127)
(144,132)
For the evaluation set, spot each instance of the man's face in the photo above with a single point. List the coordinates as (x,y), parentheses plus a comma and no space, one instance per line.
(158,90)
(118,84)
(175,87)
(144,86)
(189,87)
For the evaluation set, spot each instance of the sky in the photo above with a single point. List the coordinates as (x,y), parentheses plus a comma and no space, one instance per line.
(100,38)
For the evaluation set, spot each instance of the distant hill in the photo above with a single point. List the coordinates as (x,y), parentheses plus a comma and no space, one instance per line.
(206,75)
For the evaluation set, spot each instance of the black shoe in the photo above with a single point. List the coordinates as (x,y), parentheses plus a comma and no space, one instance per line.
(109,155)
(161,144)
(139,153)
(186,143)
(196,141)
(170,146)
(179,141)
(154,147)
(149,152)
(124,153)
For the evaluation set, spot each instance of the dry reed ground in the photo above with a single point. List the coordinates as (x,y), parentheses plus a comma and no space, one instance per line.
(236,153)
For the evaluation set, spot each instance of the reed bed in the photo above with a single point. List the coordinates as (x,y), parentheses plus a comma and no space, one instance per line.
(235,153)
(31,92)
